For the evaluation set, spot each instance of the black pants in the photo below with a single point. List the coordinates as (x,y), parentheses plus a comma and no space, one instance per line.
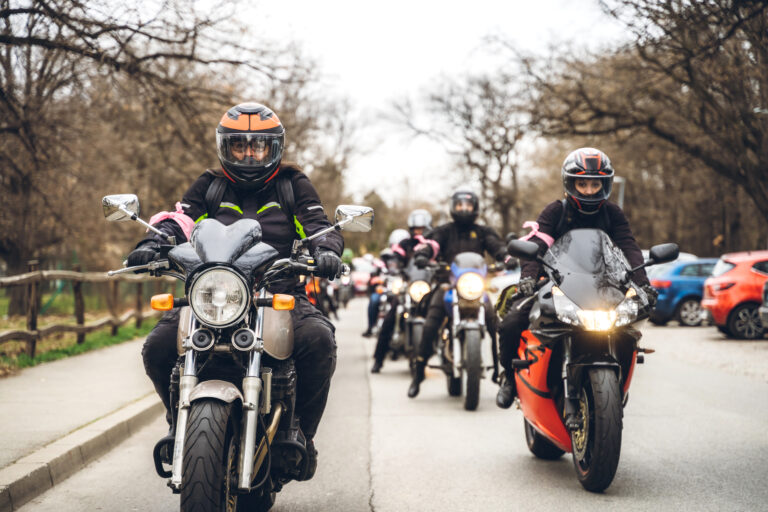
(314,354)
(510,329)
(385,334)
(434,319)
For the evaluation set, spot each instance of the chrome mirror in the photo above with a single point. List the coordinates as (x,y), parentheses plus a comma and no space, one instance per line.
(354,218)
(120,206)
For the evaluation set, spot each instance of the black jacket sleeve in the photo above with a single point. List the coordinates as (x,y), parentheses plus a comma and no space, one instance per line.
(622,236)
(310,217)
(548,220)
(493,244)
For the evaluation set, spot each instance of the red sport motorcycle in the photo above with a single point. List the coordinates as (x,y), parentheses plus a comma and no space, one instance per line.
(576,360)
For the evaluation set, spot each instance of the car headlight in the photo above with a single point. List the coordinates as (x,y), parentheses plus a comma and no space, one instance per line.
(418,290)
(397,285)
(470,286)
(219,297)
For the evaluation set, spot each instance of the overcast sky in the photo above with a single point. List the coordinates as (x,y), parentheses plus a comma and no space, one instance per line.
(376,52)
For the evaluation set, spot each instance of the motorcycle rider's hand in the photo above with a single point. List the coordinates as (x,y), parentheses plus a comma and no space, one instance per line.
(420,261)
(328,264)
(147,251)
(511,263)
(526,286)
(652,294)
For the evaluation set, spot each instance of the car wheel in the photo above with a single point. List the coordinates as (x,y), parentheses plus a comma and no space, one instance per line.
(744,322)
(689,312)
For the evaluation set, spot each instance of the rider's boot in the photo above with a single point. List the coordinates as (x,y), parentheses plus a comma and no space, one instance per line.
(312,462)
(507,392)
(377,364)
(418,376)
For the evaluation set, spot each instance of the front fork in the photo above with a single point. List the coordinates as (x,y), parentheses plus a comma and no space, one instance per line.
(571,403)
(456,346)
(187,383)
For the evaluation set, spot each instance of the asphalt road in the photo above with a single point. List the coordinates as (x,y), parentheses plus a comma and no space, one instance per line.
(694,439)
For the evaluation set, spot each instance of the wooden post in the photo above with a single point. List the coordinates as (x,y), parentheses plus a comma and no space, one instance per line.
(32,300)
(77,288)
(139,300)
(115,291)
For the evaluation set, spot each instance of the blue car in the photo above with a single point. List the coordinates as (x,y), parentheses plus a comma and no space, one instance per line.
(680,285)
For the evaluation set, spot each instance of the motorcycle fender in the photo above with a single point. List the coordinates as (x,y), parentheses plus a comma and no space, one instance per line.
(576,371)
(218,389)
(468,326)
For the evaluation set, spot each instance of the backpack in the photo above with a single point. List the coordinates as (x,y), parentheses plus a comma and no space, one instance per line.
(283,187)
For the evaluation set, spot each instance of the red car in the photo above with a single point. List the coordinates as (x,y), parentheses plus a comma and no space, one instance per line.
(733,294)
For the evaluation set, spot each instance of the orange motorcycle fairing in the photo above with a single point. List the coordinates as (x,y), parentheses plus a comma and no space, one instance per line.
(631,372)
(535,397)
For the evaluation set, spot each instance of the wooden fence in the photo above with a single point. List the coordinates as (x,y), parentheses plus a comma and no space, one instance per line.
(32,279)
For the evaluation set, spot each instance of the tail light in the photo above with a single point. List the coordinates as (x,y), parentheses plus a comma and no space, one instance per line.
(660,284)
(719,287)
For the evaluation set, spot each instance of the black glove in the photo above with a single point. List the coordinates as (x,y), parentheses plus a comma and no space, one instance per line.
(328,264)
(652,294)
(420,261)
(526,286)
(511,263)
(146,251)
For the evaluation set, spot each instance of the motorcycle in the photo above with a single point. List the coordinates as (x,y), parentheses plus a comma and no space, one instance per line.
(578,356)
(235,437)
(460,347)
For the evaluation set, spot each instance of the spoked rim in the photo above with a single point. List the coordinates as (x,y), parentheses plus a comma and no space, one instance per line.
(580,438)
(748,323)
(690,312)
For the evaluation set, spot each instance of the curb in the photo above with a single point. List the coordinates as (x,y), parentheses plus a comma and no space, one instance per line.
(34,474)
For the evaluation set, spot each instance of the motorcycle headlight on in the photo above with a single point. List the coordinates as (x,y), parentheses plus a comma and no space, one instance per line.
(219,297)
(418,290)
(397,285)
(595,320)
(470,286)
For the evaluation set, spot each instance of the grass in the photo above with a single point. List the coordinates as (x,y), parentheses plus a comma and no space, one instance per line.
(58,346)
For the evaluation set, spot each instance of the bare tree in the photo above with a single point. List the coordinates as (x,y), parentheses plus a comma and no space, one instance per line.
(481,122)
(694,78)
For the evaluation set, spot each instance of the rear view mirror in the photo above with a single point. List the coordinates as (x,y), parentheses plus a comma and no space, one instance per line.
(354,218)
(523,249)
(120,207)
(663,253)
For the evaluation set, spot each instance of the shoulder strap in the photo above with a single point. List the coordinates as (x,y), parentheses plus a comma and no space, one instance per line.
(561,224)
(284,189)
(214,194)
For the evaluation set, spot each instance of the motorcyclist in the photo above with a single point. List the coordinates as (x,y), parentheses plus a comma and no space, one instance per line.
(461,235)
(254,183)
(587,176)
(374,297)
(403,244)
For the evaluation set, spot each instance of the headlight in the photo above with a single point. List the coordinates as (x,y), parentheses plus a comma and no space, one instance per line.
(219,297)
(591,320)
(627,311)
(345,280)
(397,285)
(470,286)
(418,290)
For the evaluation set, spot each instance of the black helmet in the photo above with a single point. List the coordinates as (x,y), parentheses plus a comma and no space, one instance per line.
(590,164)
(419,219)
(250,140)
(464,207)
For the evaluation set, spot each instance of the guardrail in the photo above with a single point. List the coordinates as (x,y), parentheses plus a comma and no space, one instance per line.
(31,280)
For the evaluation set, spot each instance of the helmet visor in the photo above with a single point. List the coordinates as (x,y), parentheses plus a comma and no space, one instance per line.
(463,205)
(250,151)
(589,189)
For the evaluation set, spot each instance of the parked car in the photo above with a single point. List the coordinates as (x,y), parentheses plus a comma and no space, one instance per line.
(734,292)
(763,309)
(681,286)
(360,274)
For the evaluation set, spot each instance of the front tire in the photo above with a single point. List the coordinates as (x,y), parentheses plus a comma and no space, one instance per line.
(209,455)
(744,323)
(472,369)
(689,312)
(597,444)
(540,445)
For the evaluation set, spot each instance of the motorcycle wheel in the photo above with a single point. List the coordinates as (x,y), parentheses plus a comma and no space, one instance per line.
(209,459)
(540,445)
(472,369)
(415,336)
(597,444)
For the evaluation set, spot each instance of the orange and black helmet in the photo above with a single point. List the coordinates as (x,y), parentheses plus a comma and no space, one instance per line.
(591,164)
(250,141)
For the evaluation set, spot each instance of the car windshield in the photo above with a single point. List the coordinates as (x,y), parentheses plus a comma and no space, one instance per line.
(721,267)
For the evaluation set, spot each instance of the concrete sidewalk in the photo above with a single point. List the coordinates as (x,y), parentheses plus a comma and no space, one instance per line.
(57,417)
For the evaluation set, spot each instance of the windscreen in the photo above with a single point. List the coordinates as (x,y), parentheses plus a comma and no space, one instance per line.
(216,243)
(591,266)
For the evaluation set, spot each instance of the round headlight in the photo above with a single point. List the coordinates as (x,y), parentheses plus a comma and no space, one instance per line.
(397,285)
(418,290)
(219,297)
(470,286)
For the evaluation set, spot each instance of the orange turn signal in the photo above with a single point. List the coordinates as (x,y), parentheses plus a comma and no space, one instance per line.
(380,290)
(282,301)
(162,302)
